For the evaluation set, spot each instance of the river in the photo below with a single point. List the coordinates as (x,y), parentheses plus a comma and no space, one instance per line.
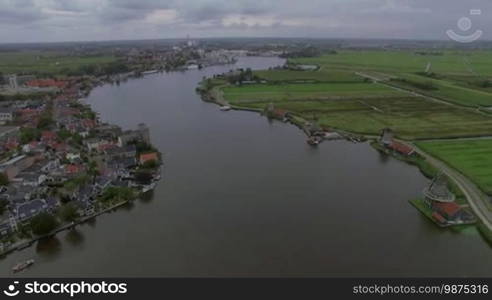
(242,196)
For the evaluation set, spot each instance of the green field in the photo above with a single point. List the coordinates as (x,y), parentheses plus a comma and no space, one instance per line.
(409,117)
(315,76)
(450,62)
(336,97)
(473,158)
(284,92)
(46,62)
(457,73)
(452,92)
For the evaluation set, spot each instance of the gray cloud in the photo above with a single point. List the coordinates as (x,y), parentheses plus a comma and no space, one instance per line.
(53,20)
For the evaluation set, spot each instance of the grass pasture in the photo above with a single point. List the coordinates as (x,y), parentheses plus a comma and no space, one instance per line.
(46,62)
(314,76)
(409,117)
(395,61)
(285,92)
(473,158)
(452,92)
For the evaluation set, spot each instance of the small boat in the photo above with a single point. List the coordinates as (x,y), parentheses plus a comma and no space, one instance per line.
(149,187)
(314,141)
(225,108)
(22,265)
(149,72)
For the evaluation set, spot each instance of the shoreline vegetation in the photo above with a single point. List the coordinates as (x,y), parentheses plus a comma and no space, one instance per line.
(432,109)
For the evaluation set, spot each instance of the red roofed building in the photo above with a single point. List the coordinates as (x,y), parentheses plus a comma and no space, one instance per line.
(47,136)
(447,209)
(73,169)
(280,113)
(88,123)
(43,83)
(148,157)
(401,148)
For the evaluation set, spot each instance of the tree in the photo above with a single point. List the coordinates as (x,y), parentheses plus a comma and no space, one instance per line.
(143,177)
(29,134)
(43,223)
(3,206)
(118,193)
(150,164)
(4,180)
(68,212)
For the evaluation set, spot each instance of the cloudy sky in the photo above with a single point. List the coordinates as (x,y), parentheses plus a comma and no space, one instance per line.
(88,20)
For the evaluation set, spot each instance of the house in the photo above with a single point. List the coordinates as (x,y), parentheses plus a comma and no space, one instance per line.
(48,136)
(140,135)
(449,210)
(146,157)
(5,229)
(73,169)
(72,156)
(401,148)
(388,141)
(94,143)
(102,182)
(26,211)
(52,204)
(122,163)
(6,115)
(128,151)
(31,179)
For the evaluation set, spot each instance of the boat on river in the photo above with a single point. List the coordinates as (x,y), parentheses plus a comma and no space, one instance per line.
(149,187)
(225,108)
(22,265)
(314,141)
(150,72)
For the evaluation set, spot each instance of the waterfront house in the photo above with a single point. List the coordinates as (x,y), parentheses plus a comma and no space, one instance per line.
(142,134)
(441,201)
(128,151)
(401,148)
(388,141)
(28,210)
(146,157)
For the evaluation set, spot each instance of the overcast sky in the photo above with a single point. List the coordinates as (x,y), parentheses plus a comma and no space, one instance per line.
(88,20)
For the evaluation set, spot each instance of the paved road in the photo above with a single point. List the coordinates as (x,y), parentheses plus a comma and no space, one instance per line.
(478,201)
